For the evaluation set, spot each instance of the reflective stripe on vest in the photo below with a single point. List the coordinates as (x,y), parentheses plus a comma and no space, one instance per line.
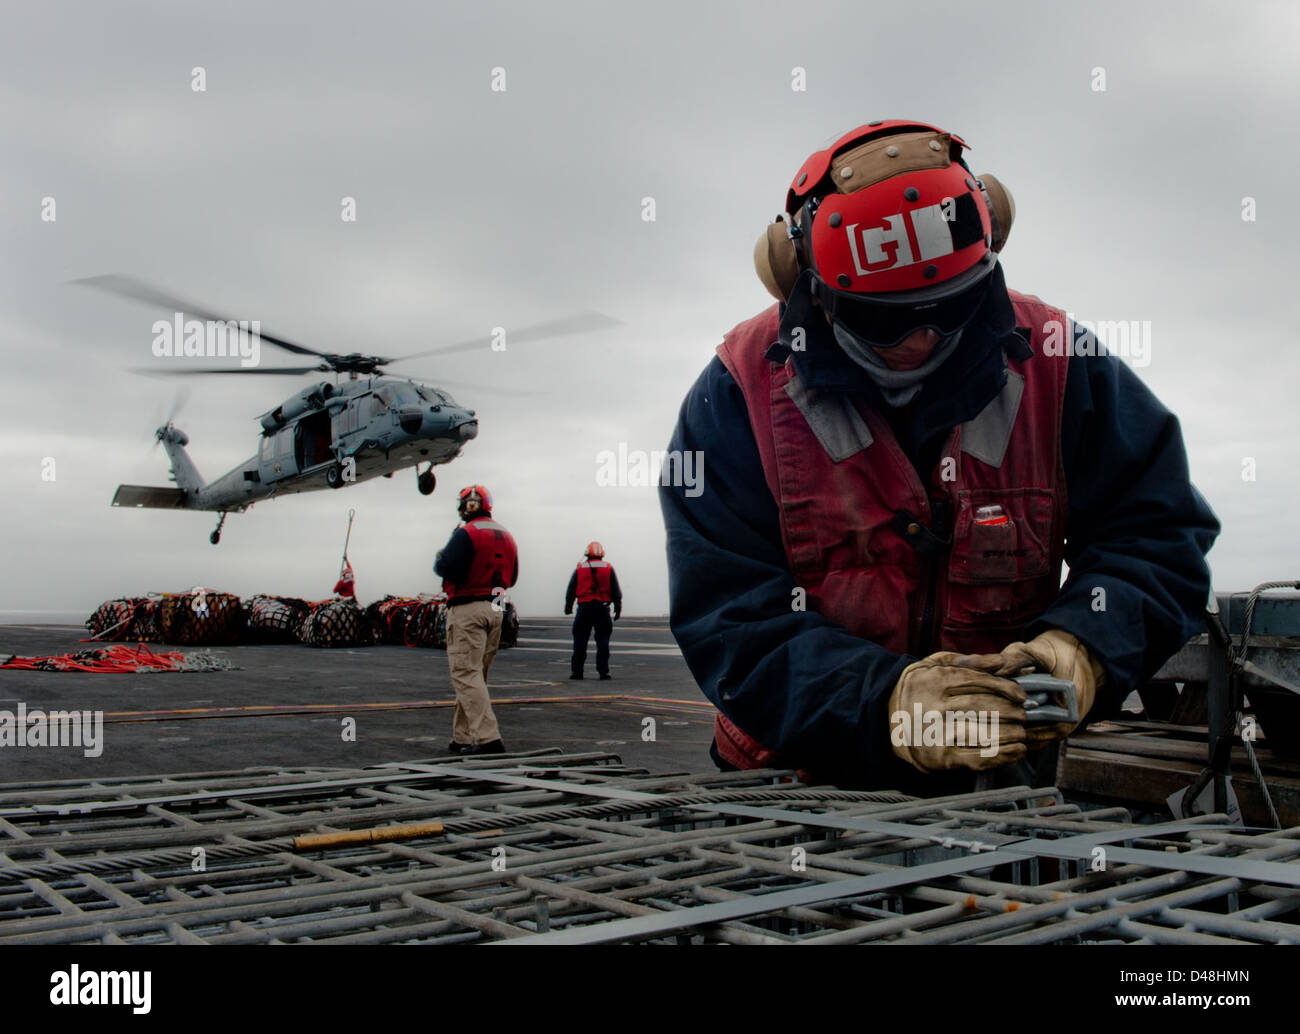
(493,566)
(840,479)
(594,582)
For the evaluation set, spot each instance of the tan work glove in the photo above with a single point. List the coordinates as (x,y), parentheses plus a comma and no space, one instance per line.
(945,683)
(1057,653)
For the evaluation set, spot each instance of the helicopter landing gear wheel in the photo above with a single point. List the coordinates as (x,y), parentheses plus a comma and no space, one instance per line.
(334,476)
(215,537)
(426,482)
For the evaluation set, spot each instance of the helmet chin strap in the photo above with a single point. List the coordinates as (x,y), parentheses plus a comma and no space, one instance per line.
(897,387)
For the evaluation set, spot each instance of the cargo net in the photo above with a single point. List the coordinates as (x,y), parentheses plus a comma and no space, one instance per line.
(205,617)
(336,623)
(275,619)
(422,621)
(410,620)
(133,619)
(201,617)
(509,627)
(598,853)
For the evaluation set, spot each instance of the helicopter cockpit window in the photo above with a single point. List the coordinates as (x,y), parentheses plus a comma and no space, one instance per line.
(432,395)
(380,401)
(267,448)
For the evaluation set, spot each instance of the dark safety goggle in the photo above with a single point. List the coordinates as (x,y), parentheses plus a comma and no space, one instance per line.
(887,326)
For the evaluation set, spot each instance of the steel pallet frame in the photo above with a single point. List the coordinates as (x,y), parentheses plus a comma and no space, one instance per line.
(580,849)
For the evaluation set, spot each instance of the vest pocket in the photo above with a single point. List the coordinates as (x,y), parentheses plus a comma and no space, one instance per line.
(999,568)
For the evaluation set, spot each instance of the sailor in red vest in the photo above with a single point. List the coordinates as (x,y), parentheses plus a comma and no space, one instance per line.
(477,565)
(595,586)
(902,453)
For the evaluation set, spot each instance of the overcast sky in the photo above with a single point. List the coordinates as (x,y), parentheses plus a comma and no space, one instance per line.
(479,208)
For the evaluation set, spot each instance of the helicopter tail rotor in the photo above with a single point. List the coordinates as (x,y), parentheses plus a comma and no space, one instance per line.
(166,423)
(172,435)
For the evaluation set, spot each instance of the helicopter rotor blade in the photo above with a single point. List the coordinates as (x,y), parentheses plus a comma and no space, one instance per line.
(273,370)
(181,396)
(581,323)
(178,403)
(129,287)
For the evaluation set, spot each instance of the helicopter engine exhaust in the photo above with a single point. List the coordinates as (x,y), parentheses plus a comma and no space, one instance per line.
(304,402)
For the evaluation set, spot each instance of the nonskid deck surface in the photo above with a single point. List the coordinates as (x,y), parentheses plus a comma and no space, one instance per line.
(590,831)
(288,705)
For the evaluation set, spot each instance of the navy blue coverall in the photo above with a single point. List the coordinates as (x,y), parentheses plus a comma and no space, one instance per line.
(592,616)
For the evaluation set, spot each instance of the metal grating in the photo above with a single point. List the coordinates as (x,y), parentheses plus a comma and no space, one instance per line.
(580,849)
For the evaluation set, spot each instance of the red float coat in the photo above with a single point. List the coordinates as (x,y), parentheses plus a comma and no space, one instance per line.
(868,540)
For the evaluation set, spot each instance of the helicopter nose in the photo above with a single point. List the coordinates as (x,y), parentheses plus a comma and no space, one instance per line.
(468,430)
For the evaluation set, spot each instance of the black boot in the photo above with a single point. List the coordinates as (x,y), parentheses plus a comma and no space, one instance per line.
(492,747)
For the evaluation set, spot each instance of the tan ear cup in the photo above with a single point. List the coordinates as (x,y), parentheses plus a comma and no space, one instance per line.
(775,260)
(1002,207)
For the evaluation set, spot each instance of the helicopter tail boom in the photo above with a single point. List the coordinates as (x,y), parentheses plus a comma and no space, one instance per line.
(184,473)
(156,497)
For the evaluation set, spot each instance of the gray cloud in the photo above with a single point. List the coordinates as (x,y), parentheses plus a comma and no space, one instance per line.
(478,209)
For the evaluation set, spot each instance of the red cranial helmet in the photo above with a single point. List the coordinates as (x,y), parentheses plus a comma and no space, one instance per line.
(892,223)
(478,492)
(595,551)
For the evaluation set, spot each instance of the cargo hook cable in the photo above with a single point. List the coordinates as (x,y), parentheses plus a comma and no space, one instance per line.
(345,586)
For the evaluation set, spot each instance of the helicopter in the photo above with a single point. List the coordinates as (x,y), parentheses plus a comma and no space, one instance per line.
(329,435)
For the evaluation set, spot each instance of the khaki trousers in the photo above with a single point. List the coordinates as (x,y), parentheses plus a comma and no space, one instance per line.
(473,635)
